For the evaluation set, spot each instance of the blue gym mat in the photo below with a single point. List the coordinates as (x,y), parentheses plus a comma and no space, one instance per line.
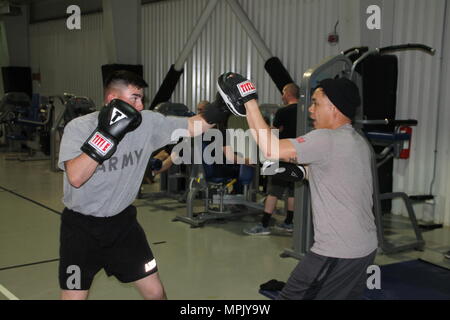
(411,280)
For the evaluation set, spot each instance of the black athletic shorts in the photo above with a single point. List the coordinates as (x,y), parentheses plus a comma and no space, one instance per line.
(277,188)
(87,244)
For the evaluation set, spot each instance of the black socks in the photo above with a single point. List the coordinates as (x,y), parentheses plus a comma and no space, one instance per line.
(266,219)
(267,216)
(289,217)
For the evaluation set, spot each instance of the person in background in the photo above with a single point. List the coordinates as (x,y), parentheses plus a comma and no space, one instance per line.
(286,122)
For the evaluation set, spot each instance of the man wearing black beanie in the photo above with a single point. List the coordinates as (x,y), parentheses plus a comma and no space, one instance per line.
(340,180)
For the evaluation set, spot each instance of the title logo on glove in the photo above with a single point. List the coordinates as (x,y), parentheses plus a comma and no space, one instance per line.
(246,88)
(100,143)
(116,116)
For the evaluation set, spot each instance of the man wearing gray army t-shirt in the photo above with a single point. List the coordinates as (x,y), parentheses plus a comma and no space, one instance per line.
(99,228)
(339,173)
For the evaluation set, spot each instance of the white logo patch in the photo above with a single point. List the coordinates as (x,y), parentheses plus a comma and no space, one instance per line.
(101,143)
(246,88)
(117,116)
(150,266)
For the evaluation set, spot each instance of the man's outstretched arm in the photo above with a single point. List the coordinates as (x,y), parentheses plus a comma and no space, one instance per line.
(240,97)
(272,147)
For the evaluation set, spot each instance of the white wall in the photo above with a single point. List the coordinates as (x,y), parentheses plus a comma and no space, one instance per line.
(417,21)
(442,183)
(295,31)
(17,35)
(69,60)
(4,57)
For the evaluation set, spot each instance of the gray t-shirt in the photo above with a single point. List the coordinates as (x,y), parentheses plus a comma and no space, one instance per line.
(341,186)
(116,182)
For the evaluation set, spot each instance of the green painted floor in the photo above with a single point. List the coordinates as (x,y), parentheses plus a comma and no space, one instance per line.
(214,262)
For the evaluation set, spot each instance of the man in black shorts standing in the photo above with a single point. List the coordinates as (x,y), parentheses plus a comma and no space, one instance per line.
(104,156)
(286,122)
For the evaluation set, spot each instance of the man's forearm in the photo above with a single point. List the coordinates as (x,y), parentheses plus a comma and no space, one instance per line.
(235,158)
(80,169)
(267,141)
(197,125)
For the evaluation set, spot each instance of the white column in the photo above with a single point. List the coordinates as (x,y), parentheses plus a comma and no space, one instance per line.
(349,24)
(15,31)
(442,184)
(122,31)
(4,56)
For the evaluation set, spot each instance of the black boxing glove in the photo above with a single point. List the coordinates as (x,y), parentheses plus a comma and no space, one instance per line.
(236,91)
(155,164)
(216,112)
(285,171)
(115,120)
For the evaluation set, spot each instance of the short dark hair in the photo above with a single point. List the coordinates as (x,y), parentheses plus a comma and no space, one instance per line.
(294,89)
(126,78)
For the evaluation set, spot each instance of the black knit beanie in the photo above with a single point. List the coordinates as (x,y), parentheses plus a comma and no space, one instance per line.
(343,93)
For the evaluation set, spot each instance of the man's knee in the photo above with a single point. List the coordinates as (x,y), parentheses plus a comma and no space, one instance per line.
(151,288)
(74,294)
(154,293)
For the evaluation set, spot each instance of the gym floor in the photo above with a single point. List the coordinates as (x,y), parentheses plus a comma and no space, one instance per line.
(214,262)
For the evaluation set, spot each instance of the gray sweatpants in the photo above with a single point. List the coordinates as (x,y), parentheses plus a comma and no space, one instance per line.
(322,278)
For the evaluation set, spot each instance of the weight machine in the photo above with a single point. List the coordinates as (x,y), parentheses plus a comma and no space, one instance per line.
(26,122)
(73,107)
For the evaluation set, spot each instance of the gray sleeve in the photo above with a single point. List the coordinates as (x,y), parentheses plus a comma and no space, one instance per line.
(75,134)
(313,147)
(167,130)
